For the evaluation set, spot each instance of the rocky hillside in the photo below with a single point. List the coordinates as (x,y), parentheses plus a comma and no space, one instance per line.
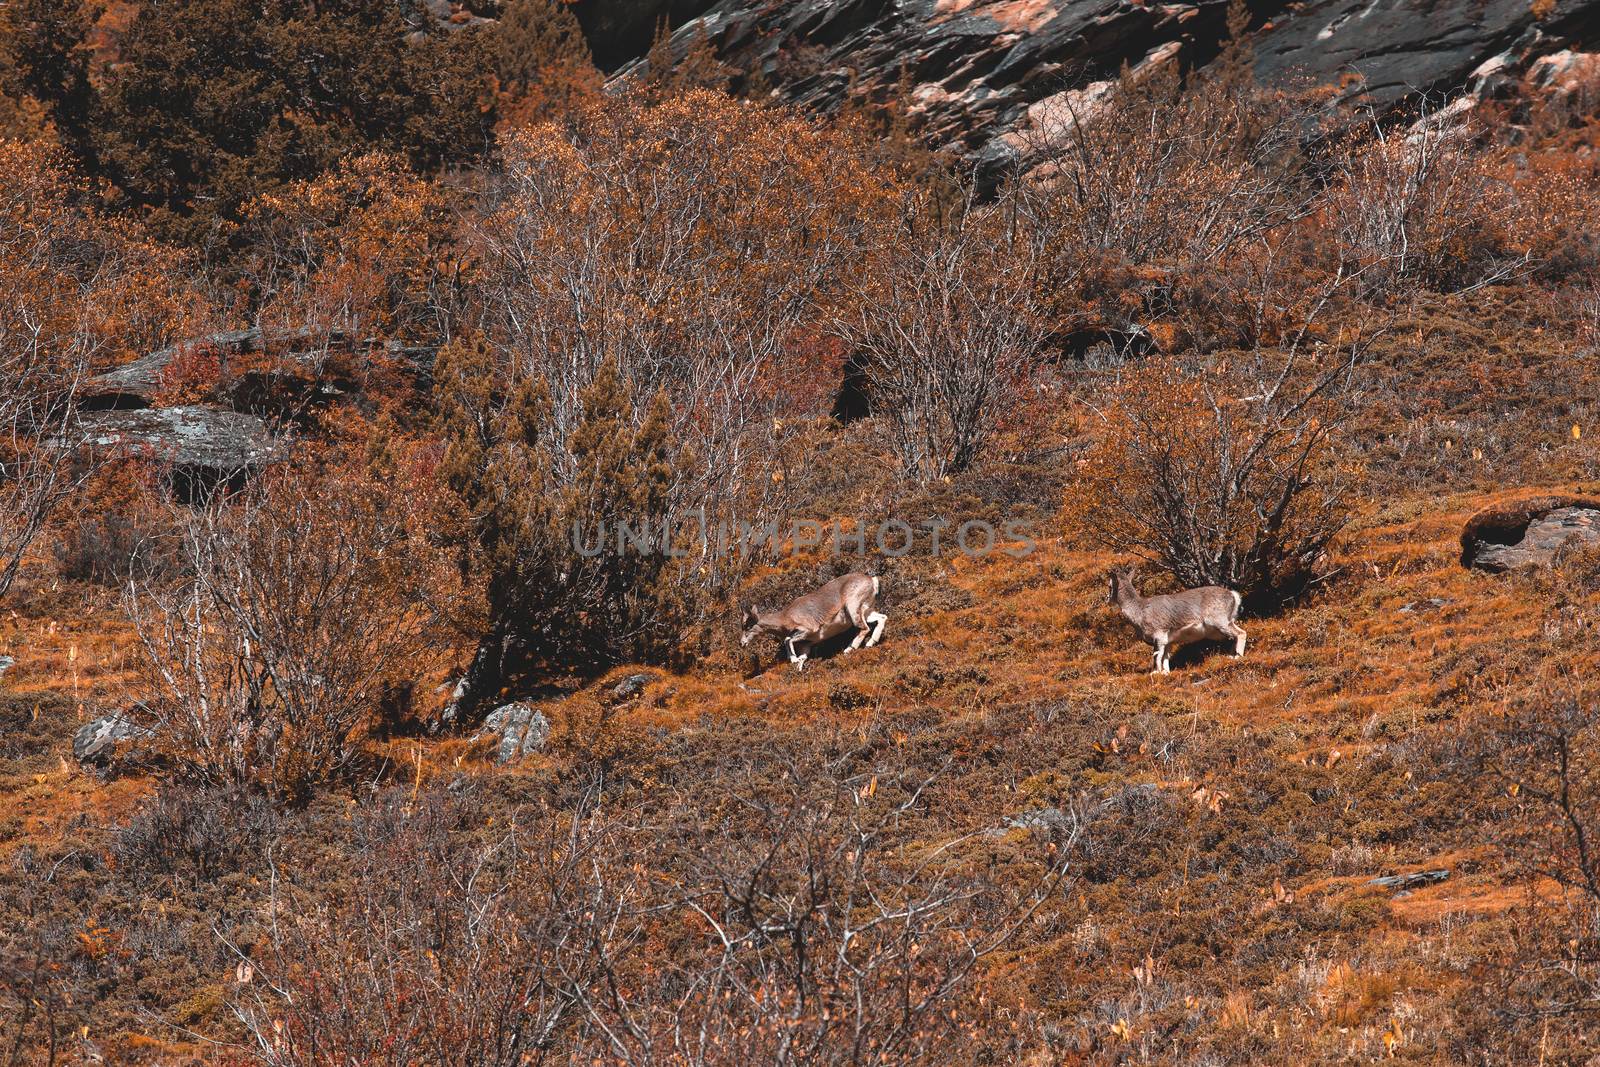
(982,73)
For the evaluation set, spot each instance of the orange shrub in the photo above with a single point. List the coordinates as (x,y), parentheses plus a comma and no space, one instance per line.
(1222,474)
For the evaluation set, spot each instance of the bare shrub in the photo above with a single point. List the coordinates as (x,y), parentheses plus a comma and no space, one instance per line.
(1154,171)
(200,833)
(811,934)
(685,242)
(295,606)
(441,950)
(798,925)
(1154,201)
(74,292)
(116,518)
(946,330)
(1224,474)
(1418,205)
(38,439)
(679,249)
(1547,752)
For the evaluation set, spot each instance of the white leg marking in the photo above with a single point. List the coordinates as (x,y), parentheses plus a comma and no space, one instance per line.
(877,620)
(861,636)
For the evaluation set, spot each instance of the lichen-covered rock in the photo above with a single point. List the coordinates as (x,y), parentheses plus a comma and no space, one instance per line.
(1051,821)
(97,742)
(137,384)
(239,355)
(191,439)
(631,686)
(522,728)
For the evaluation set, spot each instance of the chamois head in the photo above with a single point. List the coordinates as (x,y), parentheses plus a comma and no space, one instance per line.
(751,626)
(1120,578)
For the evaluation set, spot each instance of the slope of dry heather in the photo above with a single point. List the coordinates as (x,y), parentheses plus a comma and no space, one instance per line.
(1224,825)
(376,702)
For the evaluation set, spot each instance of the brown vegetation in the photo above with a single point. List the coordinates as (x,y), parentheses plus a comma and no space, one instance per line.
(1241,334)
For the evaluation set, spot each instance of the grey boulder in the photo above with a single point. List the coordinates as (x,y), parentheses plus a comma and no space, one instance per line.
(192,438)
(1545,535)
(522,728)
(97,742)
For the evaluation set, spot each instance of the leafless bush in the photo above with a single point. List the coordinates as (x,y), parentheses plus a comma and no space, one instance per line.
(1548,754)
(1152,171)
(947,332)
(74,290)
(1224,472)
(811,934)
(1154,203)
(686,243)
(441,950)
(39,465)
(294,609)
(798,927)
(200,833)
(1416,204)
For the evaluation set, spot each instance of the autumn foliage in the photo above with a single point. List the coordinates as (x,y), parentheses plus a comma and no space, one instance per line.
(549,366)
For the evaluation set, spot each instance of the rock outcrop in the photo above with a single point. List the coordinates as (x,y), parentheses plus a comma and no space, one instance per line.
(228,432)
(243,364)
(980,72)
(1529,533)
(204,444)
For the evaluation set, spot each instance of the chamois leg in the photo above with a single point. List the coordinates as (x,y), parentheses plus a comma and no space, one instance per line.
(1238,641)
(877,620)
(858,619)
(1160,657)
(798,650)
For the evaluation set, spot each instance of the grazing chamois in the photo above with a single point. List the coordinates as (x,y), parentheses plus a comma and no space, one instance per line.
(1170,621)
(836,607)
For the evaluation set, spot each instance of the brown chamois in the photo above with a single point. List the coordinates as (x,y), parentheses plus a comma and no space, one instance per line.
(841,604)
(1170,621)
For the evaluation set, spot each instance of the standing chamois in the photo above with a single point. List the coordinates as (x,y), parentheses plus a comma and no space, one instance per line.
(1170,621)
(836,607)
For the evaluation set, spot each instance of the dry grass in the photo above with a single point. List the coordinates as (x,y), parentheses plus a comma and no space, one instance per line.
(1330,691)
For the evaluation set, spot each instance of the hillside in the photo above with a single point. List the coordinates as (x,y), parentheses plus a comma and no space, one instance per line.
(1219,904)
(425,460)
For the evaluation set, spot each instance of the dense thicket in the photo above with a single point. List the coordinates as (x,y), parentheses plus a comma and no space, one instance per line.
(212,103)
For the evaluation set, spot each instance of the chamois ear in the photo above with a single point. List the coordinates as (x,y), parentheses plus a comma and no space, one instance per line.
(750,615)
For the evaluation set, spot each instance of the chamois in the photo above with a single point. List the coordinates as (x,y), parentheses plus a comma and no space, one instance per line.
(1170,621)
(841,604)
